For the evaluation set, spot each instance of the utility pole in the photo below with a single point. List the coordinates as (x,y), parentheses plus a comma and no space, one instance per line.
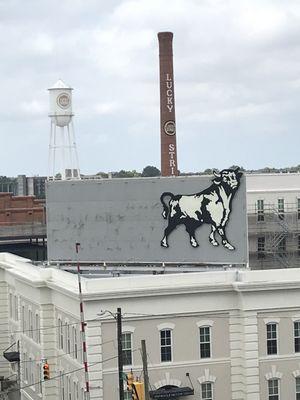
(145,368)
(120,353)
(83,325)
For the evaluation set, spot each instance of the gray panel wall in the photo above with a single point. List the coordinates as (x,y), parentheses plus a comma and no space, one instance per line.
(120,220)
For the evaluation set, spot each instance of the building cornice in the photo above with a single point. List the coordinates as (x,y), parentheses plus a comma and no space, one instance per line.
(265,286)
(231,282)
(156,291)
(201,362)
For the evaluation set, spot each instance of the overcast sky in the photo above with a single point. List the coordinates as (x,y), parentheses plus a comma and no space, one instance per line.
(237,81)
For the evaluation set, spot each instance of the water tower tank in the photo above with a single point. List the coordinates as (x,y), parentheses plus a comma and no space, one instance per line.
(60,103)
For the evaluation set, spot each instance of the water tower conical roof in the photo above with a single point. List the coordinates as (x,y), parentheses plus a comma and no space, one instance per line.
(60,84)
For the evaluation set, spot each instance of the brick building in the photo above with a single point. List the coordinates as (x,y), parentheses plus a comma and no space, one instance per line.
(21,209)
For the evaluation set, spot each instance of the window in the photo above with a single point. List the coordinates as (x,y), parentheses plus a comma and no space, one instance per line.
(40,378)
(76,389)
(128,395)
(37,329)
(23,319)
(261,247)
(68,339)
(281,208)
(69,388)
(31,371)
(16,308)
(260,211)
(273,386)
(204,341)
(30,323)
(271,338)
(282,247)
(297,336)
(206,391)
(75,351)
(127,348)
(298,206)
(10,305)
(298,245)
(165,345)
(26,367)
(298,388)
(61,385)
(60,335)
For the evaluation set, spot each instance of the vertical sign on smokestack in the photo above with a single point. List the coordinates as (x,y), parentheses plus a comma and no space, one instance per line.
(167,106)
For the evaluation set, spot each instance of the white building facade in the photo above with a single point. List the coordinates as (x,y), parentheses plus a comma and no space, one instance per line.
(225,334)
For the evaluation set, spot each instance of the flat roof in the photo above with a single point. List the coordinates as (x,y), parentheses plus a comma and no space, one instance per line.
(231,279)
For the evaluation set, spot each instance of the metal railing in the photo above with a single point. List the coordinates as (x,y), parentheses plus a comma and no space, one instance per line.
(278,226)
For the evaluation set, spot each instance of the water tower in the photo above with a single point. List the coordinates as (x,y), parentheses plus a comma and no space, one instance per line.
(63,158)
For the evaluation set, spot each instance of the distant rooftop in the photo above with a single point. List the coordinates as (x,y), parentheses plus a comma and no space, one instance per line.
(273,181)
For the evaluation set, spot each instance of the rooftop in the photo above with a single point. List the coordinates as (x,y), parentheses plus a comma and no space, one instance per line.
(135,285)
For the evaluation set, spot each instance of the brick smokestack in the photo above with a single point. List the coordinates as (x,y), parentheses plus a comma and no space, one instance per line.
(167,106)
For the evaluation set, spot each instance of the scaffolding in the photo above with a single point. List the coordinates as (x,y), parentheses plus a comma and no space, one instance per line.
(274,236)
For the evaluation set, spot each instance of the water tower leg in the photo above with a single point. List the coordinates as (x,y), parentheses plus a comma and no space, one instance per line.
(70,151)
(63,152)
(50,155)
(75,150)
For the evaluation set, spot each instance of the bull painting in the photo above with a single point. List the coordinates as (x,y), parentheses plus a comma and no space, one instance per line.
(210,206)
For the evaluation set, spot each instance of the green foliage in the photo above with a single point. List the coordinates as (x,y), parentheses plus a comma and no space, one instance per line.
(237,166)
(149,170)
(126,174)
(102,174)
(209,171)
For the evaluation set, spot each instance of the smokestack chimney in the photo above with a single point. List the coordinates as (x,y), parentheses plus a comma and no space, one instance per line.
(167,106)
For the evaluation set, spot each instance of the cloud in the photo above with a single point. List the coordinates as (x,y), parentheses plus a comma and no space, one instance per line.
(33,107)
(105,108)
(236,69)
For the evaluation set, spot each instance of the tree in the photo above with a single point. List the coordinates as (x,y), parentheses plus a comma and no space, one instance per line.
(210,171)
(236,166)
(102,174)
(126,174)
(149,170)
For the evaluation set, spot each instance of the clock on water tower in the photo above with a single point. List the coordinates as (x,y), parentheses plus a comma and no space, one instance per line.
(60,103)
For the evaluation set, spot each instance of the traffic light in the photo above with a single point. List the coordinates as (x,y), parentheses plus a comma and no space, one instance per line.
(138,391)
(46,371)
(129,379)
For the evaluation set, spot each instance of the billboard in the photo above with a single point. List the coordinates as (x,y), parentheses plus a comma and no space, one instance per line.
(195,219)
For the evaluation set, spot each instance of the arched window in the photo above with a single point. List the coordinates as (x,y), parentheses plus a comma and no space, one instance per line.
(166,341)
(207,391)
(68,349)
(127,348)
(297,388)
(30,324)
(127,340)
(75,343)
(37,328)
(273,377)
(60,334)
(272,335)
(273,389)
(207,385)
(297,336)
(205,327)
